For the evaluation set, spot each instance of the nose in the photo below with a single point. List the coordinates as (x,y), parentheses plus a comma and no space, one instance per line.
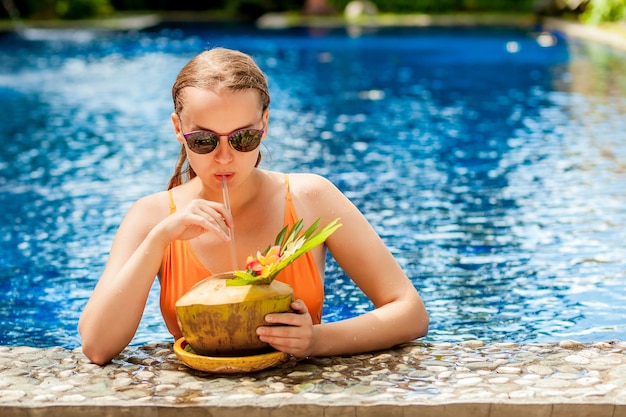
(224,152)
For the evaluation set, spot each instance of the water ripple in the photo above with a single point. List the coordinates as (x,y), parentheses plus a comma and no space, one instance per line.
(497,179)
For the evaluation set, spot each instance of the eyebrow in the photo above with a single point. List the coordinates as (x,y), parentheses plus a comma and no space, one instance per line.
(199,128)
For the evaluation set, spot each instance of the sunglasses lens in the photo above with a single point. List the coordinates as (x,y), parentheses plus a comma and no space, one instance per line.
(202,142)
(246,140)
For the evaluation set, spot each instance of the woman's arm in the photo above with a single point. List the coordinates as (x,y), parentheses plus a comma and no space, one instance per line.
(400,314)
(112,314)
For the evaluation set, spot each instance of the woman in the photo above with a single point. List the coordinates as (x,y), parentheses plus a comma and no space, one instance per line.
(182,235)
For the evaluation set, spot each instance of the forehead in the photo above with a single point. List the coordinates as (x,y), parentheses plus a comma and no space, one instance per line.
(220,111)
(222,102)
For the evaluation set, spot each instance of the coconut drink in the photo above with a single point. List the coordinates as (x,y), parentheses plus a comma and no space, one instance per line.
(217,319)
(220,314)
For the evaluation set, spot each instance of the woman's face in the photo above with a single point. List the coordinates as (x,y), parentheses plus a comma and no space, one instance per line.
(222,113)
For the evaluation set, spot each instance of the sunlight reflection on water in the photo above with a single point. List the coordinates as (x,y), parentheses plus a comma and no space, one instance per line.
(497,179)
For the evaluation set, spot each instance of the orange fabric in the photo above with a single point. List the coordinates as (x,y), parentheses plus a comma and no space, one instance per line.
(181,269)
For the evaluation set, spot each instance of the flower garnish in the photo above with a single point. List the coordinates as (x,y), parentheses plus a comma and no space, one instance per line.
(289,245)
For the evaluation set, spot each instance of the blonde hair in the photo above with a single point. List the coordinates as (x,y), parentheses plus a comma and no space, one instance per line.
(215,69)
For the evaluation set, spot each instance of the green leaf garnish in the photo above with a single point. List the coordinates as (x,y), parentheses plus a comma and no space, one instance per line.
(289,245)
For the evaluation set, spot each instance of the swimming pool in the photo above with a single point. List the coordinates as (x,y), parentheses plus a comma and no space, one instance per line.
(491,161)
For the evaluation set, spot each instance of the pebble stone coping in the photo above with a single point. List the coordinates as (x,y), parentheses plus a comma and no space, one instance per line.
(416,379)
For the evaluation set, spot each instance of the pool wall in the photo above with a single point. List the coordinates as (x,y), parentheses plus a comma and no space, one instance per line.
(415,379)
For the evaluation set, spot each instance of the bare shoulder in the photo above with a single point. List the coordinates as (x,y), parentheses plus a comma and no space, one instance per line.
(317,197)
(311,186)
(149,210)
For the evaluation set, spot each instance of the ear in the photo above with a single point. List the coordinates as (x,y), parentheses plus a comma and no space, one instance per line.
(265,117)
(177,128)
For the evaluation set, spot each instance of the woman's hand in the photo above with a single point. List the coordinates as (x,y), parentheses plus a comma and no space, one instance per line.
(292,333)
(198,217)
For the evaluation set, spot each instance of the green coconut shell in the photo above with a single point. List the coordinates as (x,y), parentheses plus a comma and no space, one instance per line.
(220,320)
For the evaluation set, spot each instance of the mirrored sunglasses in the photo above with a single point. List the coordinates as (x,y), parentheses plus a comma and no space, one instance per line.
(242,140)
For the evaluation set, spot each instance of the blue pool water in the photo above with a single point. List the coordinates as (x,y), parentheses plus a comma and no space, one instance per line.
(491,161)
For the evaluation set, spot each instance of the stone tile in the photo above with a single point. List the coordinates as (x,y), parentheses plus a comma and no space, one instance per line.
(304,410)
(582,410)
(338,411)
(620,409)
(422,410)
(466,410)
(520,410)
(388,410)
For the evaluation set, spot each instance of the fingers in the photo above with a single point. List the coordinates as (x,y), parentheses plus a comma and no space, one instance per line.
(211,225)
(300,307)
(300,315)
(211,216)
(292,333)
(198,217)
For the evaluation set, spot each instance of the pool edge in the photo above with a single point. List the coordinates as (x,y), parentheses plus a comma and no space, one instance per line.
(440,379)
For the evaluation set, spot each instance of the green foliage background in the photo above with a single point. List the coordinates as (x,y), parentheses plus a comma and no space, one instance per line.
(445,6)
(605,11)
(596,12)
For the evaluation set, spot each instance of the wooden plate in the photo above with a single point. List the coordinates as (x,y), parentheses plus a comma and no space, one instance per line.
(222,364)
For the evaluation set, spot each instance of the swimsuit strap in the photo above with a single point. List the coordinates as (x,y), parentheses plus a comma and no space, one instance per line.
(287,185)
(172,205)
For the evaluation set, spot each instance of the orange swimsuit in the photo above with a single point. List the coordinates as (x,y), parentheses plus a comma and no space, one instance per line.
(181,269)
